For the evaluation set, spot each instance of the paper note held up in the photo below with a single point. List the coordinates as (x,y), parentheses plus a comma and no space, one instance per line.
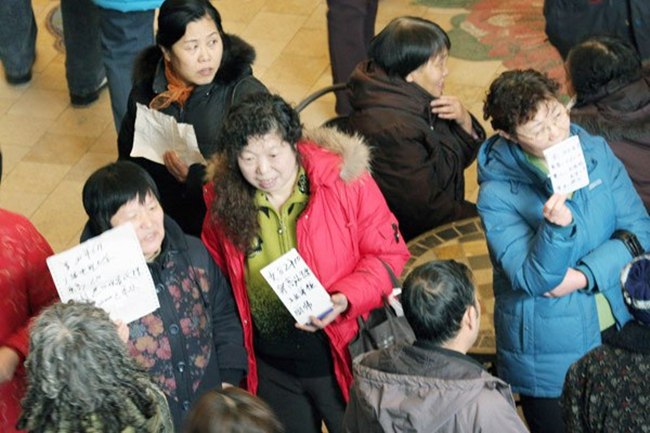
(157,133)
(297,287)
(567,166)
(108,270)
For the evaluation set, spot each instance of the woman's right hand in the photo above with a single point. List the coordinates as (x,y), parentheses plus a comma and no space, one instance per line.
(556,211)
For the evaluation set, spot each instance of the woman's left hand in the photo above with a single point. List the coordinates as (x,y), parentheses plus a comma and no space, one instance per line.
(176,166)
(450,108)
(340,305)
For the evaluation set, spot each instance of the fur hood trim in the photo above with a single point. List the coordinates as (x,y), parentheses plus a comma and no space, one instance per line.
(353,150)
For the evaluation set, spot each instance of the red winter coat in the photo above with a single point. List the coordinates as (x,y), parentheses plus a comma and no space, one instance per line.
(342,234)
(25,287)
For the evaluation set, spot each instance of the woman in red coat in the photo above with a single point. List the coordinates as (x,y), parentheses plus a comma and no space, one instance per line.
(275,189)
(25,287)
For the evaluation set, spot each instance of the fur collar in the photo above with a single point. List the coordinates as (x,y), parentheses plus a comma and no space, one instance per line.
(351,154)
(353,151)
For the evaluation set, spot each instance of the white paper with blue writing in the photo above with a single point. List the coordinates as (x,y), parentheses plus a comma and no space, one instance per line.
(566,165)
(297,287)
(108,270)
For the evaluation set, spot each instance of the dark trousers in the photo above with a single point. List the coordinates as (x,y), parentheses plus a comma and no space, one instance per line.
(350,27)
(301,403)
(543,415)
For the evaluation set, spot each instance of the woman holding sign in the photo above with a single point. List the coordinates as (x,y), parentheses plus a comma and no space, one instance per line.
(274,189)
(557,257)
(193,75)
(193,342)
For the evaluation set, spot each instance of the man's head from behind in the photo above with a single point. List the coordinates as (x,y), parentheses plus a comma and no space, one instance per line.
(440,303)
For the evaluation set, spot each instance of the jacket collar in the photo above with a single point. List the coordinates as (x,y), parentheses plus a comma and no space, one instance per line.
(633,337)
(427,345)
(622,114)
(371,87)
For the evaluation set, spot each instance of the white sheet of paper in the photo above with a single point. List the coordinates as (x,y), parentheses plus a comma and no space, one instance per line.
(157,133)
(297,287)
(108,270)
(567,166)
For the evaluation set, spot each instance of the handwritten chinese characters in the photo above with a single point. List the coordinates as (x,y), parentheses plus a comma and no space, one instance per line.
(297,287)
(109,271)
(567,166)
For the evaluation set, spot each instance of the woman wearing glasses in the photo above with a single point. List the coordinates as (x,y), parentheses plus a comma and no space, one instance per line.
(556,257)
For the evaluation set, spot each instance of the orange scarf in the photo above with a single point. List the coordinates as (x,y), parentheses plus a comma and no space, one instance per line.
(177,90)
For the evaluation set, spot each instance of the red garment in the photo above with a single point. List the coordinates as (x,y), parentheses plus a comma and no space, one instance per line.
(342,233)
(25,287)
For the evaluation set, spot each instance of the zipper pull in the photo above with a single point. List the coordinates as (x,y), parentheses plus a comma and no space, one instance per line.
(396,233)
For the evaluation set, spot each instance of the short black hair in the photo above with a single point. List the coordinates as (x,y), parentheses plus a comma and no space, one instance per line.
(435,297)
(407,43)
(600,65)
(112,186)
(514,97)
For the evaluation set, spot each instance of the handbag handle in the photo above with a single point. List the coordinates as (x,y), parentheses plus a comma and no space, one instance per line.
(387,307)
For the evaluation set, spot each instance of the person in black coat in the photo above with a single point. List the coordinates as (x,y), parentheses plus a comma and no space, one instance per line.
(193,342)
(422,139)
(195,74)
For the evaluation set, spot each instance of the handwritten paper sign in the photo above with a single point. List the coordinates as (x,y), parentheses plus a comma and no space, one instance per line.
(157,133)
(297,287)
(108,270)
(567,166)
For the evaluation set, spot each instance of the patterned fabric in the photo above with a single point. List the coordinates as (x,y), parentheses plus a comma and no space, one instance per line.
(607,390)
(194,341)
(150,345)
(25,287)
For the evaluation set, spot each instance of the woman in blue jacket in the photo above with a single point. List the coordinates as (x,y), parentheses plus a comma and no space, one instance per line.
(556,257)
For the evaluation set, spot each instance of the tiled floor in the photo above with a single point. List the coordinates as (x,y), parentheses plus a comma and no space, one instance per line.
(50,147)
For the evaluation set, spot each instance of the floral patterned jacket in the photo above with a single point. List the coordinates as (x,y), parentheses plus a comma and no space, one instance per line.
(607,390)
(194,341)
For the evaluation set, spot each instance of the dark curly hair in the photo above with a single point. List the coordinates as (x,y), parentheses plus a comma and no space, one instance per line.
(255,116)
(80,377)
(601,65)
(513,98)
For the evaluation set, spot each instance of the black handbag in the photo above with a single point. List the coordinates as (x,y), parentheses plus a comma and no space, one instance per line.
(382,329)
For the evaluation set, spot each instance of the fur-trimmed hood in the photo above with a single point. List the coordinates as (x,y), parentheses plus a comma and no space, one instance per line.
(351,151)
(237,61)
(328,153)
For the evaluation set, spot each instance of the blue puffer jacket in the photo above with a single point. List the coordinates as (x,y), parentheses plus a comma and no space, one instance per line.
(129,5)
(538,338)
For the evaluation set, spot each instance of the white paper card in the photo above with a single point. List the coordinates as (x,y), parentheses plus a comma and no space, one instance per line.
(108,270)
(567,166)
(157,133)
(297,287)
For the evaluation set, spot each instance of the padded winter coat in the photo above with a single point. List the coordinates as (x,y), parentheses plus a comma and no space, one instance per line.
(343,235)
(538,338)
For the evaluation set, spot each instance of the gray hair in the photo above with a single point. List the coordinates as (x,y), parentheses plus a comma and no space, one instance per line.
(80,376)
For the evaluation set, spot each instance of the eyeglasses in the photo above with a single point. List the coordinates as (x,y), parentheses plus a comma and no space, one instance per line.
(556,118)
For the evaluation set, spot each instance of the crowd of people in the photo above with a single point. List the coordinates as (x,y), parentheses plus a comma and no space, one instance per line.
(222,352)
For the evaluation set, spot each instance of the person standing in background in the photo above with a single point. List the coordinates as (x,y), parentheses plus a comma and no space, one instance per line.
(350,27)
(17,40)
(102,39)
